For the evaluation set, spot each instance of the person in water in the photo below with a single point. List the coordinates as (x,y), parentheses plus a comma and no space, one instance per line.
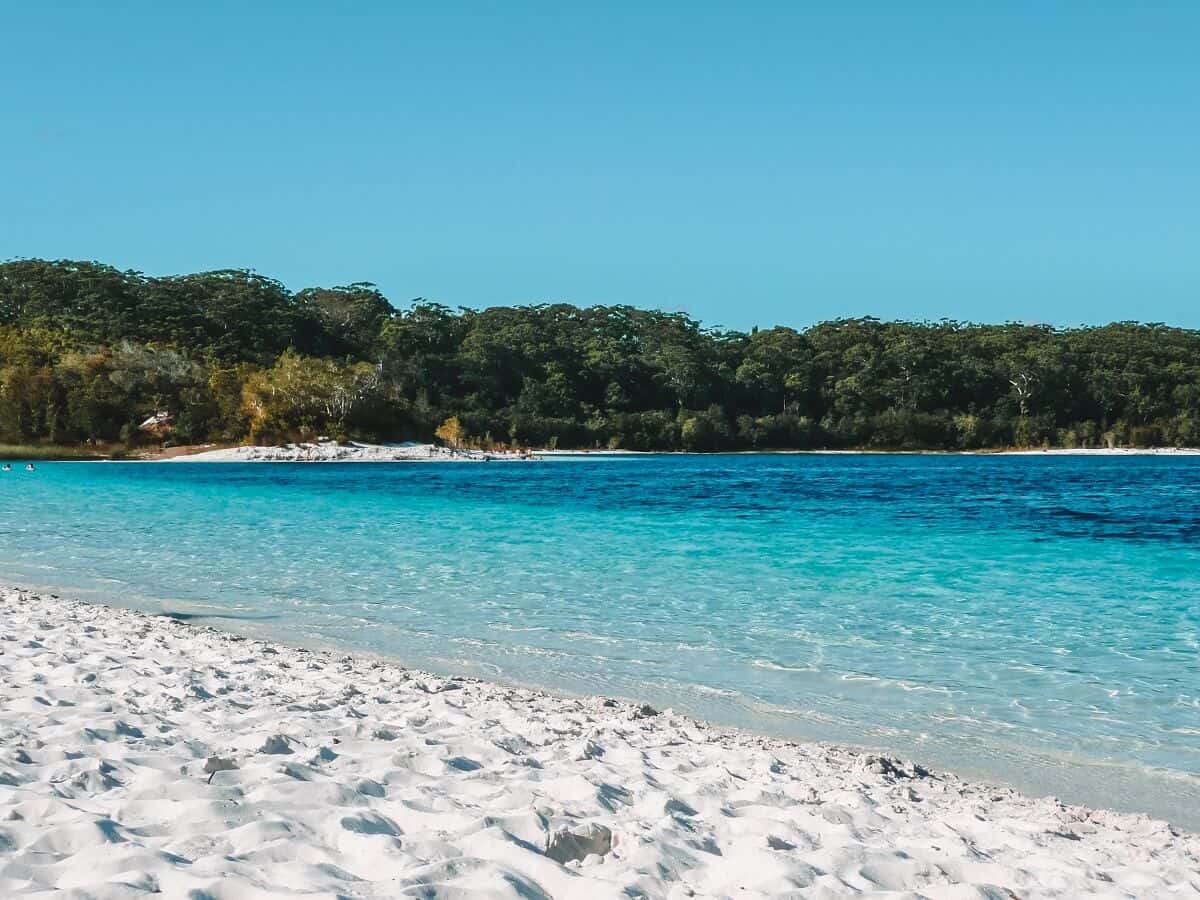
(29,467)
(7,467)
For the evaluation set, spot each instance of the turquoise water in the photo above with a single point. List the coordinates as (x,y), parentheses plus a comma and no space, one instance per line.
(1035,620)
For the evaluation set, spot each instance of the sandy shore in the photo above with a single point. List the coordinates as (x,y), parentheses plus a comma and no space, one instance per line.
(345,451)
(1109,451)
(357,451)
(141,754)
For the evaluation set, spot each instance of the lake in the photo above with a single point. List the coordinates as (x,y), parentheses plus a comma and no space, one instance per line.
(1032,620)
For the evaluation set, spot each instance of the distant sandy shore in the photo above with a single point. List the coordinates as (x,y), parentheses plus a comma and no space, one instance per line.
(345,451)
(1095,451)
(357,451)
(1114,451)
(139,754)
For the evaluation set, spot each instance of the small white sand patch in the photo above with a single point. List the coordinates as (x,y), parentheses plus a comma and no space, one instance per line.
(288,776)
(348,451)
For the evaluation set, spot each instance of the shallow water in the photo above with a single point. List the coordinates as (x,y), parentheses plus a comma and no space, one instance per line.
(1032,620)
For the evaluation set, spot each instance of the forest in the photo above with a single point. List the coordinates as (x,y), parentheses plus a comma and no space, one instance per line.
(97,357)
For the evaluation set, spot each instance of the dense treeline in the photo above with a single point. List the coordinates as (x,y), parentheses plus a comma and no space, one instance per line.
(90,354)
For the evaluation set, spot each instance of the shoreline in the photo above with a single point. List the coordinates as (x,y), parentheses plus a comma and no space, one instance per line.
(1047,451)
(362,451)
(382,780)
(1094,783)
(346,451)
(356,451)
(1114,785)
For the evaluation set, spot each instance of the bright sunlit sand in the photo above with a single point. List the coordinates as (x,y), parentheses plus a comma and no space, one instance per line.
(144,755)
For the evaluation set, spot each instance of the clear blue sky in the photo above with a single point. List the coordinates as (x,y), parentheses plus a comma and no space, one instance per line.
(752,164)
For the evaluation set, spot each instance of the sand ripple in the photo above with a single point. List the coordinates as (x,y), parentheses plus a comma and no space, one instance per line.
(142,755)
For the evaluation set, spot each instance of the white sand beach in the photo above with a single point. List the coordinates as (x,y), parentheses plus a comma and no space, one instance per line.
(1108,451)
(140,755)
(345,451)
(358,451)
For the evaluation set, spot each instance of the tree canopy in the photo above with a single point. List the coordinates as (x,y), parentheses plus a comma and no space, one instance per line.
(89,353)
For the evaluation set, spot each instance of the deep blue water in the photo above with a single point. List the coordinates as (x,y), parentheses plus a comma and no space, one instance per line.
(1035,620)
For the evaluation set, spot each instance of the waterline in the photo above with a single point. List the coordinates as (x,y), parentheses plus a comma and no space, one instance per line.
(1029,620)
